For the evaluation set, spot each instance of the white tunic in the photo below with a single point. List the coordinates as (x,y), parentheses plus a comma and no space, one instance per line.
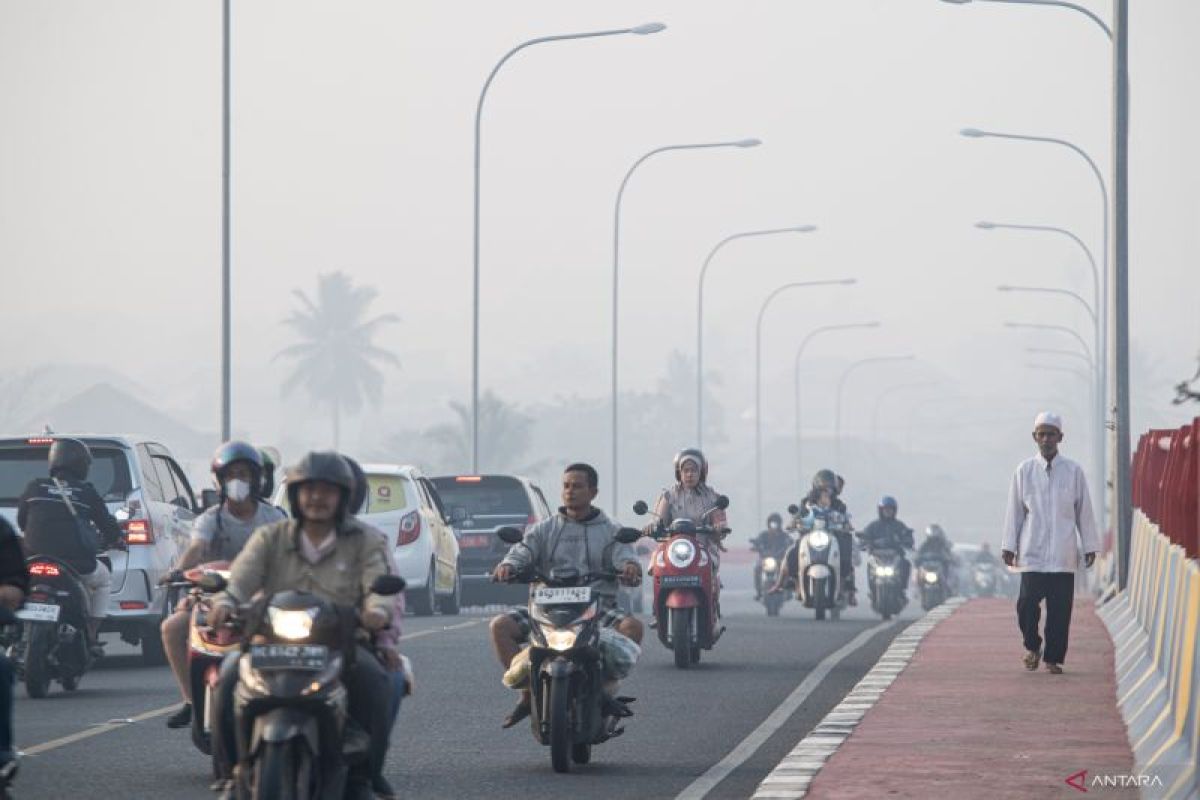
(1047,504)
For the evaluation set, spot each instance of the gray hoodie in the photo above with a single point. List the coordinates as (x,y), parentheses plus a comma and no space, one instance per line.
(587,545)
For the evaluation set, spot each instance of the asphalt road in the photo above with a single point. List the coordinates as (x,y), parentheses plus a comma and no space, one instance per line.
(108,739)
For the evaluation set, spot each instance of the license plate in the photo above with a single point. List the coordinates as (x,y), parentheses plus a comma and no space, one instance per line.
(40,612)
(546,595)
(680,580)
(289,656)
(475,540)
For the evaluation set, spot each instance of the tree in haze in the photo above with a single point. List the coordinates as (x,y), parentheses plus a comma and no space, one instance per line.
(336,357)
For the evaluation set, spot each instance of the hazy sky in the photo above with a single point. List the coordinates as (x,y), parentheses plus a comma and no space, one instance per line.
(352,150)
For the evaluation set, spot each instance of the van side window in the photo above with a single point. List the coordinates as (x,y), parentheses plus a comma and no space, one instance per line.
(188,500)
(150,482)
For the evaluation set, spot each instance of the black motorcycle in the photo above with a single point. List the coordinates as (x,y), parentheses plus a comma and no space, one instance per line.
(566,675)
(290,704)
(932,577)
(888,597)
(770,562)
(53,643)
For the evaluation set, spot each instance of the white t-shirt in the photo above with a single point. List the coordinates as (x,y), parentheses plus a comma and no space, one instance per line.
(226,534)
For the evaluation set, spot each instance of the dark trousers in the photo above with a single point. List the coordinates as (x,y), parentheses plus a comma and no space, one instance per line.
(7,677)
(845,541)
(1058,590)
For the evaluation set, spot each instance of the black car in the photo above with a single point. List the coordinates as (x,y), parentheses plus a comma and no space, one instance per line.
(479,505)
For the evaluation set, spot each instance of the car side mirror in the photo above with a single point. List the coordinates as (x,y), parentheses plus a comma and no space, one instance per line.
(388,585)
(793,509)
(211,583)
(722,502)
(628,535)
(640,507)
(510,535)
(209,498)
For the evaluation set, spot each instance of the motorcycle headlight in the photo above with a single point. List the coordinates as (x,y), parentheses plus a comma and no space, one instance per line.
(291,623)
(681,553)
(560,639)
(931,577)
(818,539)
(885,572)
(770,564)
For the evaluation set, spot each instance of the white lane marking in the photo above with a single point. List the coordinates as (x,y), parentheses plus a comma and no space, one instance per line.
(748,746)
(112,725)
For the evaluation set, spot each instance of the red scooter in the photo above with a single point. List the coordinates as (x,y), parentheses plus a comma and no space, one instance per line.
(686,592)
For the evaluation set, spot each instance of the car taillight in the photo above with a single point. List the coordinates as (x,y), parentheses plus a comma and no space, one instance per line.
(138,531)
(43,568)
(39,440)
(410,528)
(468,479)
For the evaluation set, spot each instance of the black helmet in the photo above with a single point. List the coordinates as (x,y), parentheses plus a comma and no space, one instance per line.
(691,454)
(825,478)
(358,497)
(70,457)
(326,466)
(774,517)
(233,451)
(270,460)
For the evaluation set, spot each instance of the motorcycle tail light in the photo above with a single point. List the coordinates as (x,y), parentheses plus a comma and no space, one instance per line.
(45,569)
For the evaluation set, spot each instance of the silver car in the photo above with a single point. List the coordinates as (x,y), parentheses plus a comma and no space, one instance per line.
(143,485)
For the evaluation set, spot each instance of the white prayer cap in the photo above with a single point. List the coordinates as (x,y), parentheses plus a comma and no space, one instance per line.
(1048,418)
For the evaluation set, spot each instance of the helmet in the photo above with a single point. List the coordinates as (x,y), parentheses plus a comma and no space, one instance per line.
(270,460)
(887,501)
(233,451)
(935,531)
(358,497)
(774,517)
(691,454)
(825,479)
(70,457)
(326,466)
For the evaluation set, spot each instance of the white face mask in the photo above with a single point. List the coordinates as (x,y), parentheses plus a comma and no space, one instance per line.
(237,489)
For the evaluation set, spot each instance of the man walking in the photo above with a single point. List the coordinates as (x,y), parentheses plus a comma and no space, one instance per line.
(1048,504)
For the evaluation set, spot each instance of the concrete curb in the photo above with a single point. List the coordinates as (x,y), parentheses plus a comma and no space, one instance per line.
(792,776)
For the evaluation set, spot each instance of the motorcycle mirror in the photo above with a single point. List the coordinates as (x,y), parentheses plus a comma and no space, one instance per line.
(510,535)
(793,509)
(628,535)
(640,507)
(722,502)
(388,585)
(212,582)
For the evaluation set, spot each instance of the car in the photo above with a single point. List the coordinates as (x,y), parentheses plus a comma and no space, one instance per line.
(479,505)
(142,479)
(404,505)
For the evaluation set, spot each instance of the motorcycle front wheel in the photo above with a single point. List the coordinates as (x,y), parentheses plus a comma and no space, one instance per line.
(819,598)
(681,636)
(560,724)
(284,771)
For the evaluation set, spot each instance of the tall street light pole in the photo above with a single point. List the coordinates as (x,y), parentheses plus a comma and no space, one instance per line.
(814,333)
(1096,298)
(616,273)
(762,312)
(640,30)
(226,292)
(841,387)
(700,314)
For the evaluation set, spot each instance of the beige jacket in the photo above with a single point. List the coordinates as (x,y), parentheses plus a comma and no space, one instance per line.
(272,562)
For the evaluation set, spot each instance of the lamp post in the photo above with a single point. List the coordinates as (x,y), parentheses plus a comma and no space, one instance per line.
(1059,328)
(226,293)
(1096,298)
(700,314)
(796,371)
(837,417)
(762,311)
(639,30)
(616,272)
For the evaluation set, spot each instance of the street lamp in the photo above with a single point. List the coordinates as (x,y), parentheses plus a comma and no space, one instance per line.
(758,375)
(1060,3)
(837,417)
(700,315)
(796,370)
(639,30)
(616,272)
(1096,300)
(1059,328)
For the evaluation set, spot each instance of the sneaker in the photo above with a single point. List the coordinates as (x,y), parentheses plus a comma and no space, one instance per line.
(1031,659)
(382,789)
(181,718)
(1054,669)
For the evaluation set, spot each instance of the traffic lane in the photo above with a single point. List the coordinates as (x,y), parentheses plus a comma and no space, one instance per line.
(450,743)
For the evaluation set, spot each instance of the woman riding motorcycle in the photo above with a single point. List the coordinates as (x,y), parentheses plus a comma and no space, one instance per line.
(690,498)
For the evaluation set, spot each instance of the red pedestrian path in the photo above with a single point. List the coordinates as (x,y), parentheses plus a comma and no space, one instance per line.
(966,719)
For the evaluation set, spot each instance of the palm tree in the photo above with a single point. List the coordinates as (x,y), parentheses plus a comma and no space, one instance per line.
(336,357)
(507,434)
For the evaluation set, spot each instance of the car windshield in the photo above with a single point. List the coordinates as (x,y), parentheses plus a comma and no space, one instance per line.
(22,463)
(490,497)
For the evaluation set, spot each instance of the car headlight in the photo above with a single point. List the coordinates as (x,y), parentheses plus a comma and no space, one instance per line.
(770,564)
(818,539)
(931,577)
(885,572)
(560,639)
(292,624)
(681,553)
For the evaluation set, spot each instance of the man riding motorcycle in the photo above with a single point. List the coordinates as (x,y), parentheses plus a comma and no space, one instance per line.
(774,542)
(936,546)
(578,537)
(690,498)
(825,479)
(888,532)
(14,585)
(823,502)
(51,512)
(217,535)
(325,551)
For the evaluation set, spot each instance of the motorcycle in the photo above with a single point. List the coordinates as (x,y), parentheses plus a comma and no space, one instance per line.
(984,578)
(566,674)
(10,633)
(53,643)
(769,564)
(931,576)
(819,578)
(290,705)
(687,607)
(888,596)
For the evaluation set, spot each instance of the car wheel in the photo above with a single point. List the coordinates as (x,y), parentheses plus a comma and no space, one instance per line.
(423,601)
(452,603)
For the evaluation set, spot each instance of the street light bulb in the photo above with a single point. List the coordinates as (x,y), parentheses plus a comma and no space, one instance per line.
(985,225)
(956,2)
(648,28)
(848,281)
(973,133)
(874,324)
(1004,288)
(804,228)
(748,143)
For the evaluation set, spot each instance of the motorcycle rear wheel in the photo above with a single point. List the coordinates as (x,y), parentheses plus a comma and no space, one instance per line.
(681,636)
(37,671)
(560,724)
